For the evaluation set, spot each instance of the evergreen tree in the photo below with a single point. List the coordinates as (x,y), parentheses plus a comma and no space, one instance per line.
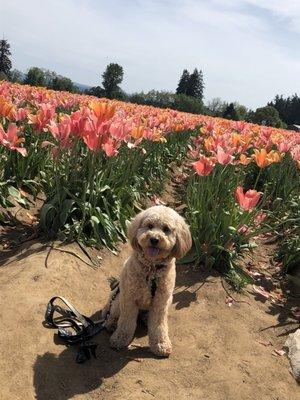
(183,82)
(230,112)
(195,85)
(5,63)
(112,77)
(288,109)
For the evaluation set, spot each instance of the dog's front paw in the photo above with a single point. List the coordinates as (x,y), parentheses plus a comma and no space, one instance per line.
(120,340)
(161,349)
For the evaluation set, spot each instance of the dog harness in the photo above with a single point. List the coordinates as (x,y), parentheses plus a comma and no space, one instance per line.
(77,329)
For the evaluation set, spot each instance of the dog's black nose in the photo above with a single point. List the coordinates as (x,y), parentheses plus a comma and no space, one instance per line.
(154,241)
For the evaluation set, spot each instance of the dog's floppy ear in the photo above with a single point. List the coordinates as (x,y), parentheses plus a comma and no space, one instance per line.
(133,228)
(183,239)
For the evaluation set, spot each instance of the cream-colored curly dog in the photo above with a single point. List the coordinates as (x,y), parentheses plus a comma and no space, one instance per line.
(158,236)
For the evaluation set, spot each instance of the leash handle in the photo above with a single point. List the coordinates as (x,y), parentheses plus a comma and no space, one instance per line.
(67,315)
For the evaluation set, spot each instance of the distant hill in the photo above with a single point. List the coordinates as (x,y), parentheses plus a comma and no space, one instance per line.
(81,86)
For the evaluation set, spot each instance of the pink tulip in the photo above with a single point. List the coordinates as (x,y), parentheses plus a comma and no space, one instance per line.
(223,157)
(120,130)
(61,131)
(204,166)
(11,140)
(247,200)
(110,148)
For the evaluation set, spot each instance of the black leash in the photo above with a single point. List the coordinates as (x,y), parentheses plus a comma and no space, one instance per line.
(73,327)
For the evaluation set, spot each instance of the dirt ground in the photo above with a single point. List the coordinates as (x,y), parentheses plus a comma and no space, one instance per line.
(217,354)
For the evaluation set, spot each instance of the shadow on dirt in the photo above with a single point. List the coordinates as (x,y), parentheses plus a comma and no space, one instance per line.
(186,278)
(59,377)
(285,308)
(14,232)
(285,311)
(23,251)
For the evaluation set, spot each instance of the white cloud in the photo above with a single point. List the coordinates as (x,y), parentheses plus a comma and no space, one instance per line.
(287,11)
(154,40)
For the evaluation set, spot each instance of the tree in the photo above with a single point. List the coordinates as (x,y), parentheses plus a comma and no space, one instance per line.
(267,116)
(35,77)
(288,109)
(242,111)
(96,91)
(62,83)
(44,77)
(112,77)
(5,63)
(16,76)
(230,112)
(216,107)
(185,103)
(195,85)
(183,82)
(154,98)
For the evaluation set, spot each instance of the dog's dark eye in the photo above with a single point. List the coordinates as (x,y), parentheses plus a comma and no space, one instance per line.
(166,229)
(150,226)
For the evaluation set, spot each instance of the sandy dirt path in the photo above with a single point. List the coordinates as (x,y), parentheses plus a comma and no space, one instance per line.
(216,350)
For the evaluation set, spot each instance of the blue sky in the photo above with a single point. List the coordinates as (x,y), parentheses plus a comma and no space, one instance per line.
(249,50)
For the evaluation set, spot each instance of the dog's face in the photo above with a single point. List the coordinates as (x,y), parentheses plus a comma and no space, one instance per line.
(159,232)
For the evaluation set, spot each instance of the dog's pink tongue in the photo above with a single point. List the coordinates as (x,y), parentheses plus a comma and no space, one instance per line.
(152,251)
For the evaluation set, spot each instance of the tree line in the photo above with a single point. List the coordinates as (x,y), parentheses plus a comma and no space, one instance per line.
(188,97)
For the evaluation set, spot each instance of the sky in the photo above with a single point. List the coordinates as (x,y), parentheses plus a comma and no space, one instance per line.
(248,50)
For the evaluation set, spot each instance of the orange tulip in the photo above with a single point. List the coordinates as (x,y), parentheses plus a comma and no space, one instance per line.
(274,156)
(210,144)
(236,139)
(260,157)
(138,132)
(263,158)
(103,111)
(6,109)
(244,160)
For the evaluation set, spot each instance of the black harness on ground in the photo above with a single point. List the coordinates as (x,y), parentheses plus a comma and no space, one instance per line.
(73,327)
(77,329)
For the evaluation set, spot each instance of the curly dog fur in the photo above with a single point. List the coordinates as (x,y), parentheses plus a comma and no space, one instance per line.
(158,236)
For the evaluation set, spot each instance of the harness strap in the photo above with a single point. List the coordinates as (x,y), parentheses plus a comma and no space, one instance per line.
(73,327)
(153,287)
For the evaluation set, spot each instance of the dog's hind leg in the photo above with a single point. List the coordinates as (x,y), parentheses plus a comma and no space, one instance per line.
(113,312)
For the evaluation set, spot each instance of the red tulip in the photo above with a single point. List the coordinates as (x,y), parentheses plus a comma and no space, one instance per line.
(247,200)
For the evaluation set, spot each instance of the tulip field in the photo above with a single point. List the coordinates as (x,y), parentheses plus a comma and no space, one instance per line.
(97,160)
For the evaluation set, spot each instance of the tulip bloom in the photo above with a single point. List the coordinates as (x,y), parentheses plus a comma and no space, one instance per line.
(110,148)
(223,157)
(61,131)
(244,160)
(6,108)
(247,200)
(11,140)
(263,158)
(103,111)
(204,166)
(137,133)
